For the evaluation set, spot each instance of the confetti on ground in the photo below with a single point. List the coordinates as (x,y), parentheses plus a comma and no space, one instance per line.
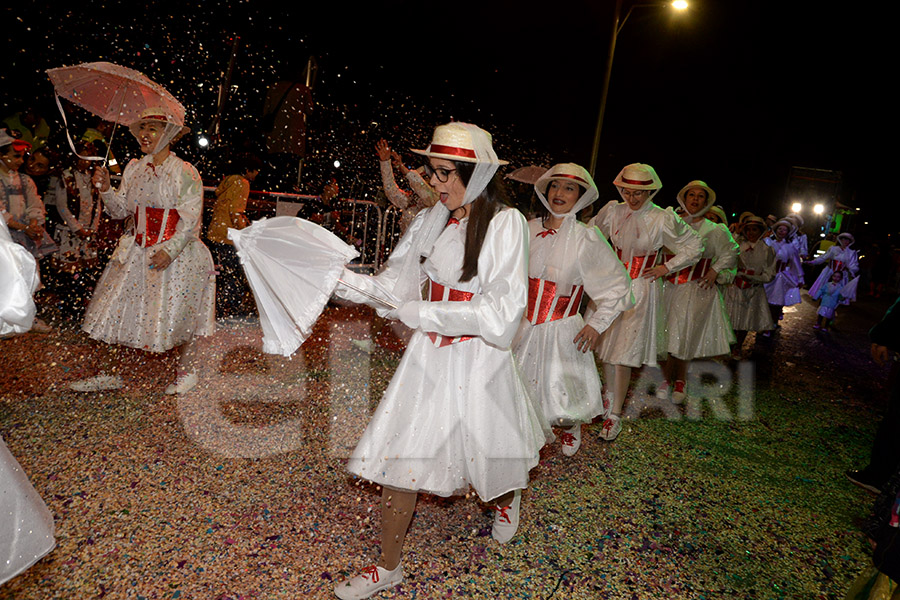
(238,489)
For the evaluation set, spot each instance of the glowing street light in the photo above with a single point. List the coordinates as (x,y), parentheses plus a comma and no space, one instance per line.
(617,25)
(818,209)
(796,207)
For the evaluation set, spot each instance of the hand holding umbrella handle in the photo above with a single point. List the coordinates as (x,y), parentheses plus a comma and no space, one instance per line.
(100,178)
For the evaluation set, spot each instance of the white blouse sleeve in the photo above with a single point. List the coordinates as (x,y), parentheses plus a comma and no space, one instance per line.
(189,204)
(606,281)
(680,238)
(115,201)
(727,253)
(495,312)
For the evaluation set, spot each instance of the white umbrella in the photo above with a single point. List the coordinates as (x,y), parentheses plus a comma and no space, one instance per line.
(293,267)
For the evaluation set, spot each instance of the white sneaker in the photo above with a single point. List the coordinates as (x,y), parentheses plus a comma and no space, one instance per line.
(506,519)
(184,383)
(611,428)
(570,439)
(371,581)
(662,392)
(98,383)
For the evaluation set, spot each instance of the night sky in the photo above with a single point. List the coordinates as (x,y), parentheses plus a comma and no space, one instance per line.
(734,93)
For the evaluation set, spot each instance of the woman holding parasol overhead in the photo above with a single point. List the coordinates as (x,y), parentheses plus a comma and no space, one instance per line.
(158,290)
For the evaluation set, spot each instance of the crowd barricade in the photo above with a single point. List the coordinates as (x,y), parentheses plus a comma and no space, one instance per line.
(390,232)
(358,222)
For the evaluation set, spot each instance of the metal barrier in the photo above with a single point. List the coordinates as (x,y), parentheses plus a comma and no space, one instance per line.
(359,223)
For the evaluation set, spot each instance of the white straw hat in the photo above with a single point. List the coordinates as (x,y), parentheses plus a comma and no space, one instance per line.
(453,141)
(638,176)
(567,172)
(710,197)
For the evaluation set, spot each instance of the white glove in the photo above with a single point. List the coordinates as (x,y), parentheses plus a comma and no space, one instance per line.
(408,314)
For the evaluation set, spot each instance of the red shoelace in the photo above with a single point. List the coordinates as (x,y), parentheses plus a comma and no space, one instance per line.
(371,572)
(567,439)
(503,514)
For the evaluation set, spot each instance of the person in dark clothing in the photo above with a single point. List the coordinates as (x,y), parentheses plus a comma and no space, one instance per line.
(879,582)
(885,455)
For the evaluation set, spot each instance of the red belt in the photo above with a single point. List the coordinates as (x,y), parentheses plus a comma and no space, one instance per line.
(154,225)
(441,293)
(544,305)
(637,263)
(742,283)
(837,266)
(691,273)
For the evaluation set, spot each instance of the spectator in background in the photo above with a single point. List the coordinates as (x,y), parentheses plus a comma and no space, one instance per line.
(19,200)
(31,125)
(99,135)
(422,196)
(229,212)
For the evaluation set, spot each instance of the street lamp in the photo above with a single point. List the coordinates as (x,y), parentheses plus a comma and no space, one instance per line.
(796,207)
(818,209)
(617,26)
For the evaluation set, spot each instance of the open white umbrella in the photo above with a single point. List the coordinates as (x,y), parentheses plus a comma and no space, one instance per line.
(293,267)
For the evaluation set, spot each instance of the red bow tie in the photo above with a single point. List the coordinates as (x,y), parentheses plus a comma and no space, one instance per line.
(453,221)
(545,233)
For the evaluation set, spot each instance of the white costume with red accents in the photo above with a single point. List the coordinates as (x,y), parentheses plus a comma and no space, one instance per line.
(638,335)
(456,415)
(697,324)
(564,379)
(146,308)
(784,289)
(745,299)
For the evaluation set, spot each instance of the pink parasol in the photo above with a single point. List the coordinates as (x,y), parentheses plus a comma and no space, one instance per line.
(112,92)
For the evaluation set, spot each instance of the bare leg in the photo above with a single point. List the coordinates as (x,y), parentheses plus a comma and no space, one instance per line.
(187,356)
(620,382)
(679,368)
(504,500)
(397,508)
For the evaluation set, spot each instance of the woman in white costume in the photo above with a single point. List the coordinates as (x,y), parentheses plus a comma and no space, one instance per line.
(567,259)
(784,289)
(745,299)
(19,279)
(158,289)
(697,325)
(799,238)
(838,258)
(456,414)
(26,525)
(638,229)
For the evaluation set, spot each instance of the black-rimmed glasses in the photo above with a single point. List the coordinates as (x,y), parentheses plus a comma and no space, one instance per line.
(442,174)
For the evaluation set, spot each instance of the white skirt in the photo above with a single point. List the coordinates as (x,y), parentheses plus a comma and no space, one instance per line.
(748,308)
(453,418)
(563,379)
(26,529)
(637,335)
(134,305)
(781,291)
(696,323)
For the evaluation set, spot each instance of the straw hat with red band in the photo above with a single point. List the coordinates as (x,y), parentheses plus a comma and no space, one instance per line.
(717,210)
(795,219)
(710,197)
(638,176)
(453,141)
(174,128)
(787,223)
(751,220)
(846,236)
(567,172)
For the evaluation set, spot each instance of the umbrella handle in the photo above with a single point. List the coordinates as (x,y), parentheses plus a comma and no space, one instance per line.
(370,295)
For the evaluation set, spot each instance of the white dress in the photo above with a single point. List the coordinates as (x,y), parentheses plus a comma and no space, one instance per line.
(745,299)
(784,289)
(564,379)
(697,323)
(457,415)
(638,335)
(19,279)
(26,526)
(848,260)
(145,308)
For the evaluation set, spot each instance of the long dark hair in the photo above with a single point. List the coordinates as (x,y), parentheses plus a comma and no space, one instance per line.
(482,210)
